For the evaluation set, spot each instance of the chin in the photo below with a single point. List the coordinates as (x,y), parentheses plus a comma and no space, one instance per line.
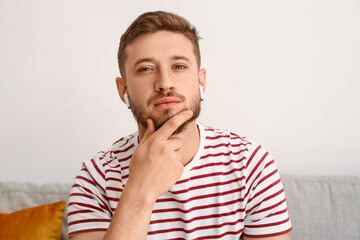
(165,115)
(159,122)
(160,116)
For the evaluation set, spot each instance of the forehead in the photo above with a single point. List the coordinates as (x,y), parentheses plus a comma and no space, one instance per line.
(160,45)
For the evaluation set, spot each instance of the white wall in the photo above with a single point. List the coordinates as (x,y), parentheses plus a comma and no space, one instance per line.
(285,73)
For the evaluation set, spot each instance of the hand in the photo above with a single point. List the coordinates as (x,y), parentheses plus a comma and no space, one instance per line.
(156,163)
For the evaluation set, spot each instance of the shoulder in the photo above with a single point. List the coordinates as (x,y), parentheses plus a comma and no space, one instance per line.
(223,135)
(215,137)
(252,153)
(118,153)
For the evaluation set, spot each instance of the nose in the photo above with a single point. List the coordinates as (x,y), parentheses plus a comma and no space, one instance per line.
(164,82)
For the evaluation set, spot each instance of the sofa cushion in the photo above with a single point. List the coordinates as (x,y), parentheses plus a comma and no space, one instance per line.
(18,195)
(323,207)
(40,222)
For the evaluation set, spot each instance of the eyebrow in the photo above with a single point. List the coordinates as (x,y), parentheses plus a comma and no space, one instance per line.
(175,57)
(143,60)
(178,57)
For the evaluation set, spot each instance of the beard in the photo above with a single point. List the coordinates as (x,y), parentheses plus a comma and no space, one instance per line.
(141,115)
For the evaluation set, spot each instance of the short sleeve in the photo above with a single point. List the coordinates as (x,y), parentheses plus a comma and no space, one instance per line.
(88,208)
(266,209)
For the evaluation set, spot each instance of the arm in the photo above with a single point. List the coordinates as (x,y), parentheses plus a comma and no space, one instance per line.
(155,167)
(266,208)
(285,236)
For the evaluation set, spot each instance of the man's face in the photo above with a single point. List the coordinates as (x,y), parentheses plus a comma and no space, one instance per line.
(162,77)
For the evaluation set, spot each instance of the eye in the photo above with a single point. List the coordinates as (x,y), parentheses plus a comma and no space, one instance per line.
(179,67)
(144,69)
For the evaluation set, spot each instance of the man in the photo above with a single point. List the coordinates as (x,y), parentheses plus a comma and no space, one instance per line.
(174,178)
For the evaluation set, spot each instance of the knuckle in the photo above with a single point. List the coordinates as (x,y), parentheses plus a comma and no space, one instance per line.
(154,142)
(174,156)
(173,123)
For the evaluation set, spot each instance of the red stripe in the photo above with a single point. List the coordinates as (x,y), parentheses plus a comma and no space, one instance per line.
(86,230)
(113,199)
(233,134)
(124,150)
(259,174)
(85,179)
(113,179)
(90,192)
(81,195)
(220,136)
(212,130)
(80,211)
(217,137)
(125,159)
(221,235)
(125,176)
(86,205)
(118,141)
(209,175)
(266,199)
(103,154)
(279,212)
(226,145)
(222,154)
(194,229)
(269,235)
(253,171)
(219,163)
(252,155)
(114,189)
(200,196)
(200,207)
(98,170)
(124,168)
(270,208)
(215,236)
(115,167)
(256,167)
(264,190)
(207,185)
(267,176)
(269,163)
(99,186)
(88,221)
(251,188)
(127,140)
(111,170)
(118,160)
(268,224)
(196,218)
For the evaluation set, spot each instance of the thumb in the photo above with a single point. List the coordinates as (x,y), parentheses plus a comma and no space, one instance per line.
(150,129)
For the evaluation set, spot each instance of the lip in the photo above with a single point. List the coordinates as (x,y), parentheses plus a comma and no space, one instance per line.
(165,102)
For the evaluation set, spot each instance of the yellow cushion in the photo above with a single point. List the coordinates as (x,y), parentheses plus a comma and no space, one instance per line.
(41,222)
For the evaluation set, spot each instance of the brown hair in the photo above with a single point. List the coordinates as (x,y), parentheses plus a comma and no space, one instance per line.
(150,22)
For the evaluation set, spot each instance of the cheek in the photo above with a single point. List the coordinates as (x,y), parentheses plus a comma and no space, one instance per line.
(140,91)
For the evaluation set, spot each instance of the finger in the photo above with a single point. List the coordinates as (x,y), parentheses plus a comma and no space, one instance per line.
(173,123)
(150,129)
(175,143)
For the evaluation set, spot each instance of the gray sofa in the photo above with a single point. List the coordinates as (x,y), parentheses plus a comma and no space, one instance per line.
(326,207)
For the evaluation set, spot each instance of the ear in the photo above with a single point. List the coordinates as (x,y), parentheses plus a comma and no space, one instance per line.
(121,87)
(202,78)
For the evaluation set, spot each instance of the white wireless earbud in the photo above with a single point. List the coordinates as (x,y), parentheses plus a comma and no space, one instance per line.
(201,93)
(127,100)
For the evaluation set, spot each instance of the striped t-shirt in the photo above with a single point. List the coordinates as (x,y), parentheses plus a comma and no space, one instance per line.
(231,187)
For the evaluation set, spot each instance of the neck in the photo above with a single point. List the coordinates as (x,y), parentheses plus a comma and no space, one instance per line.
(190,137)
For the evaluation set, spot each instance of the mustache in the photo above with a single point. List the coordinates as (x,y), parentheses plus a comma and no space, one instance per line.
(162,94)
